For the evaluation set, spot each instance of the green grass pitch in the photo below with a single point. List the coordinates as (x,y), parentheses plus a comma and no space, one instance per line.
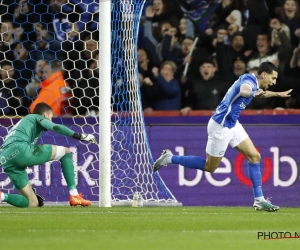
(219,228)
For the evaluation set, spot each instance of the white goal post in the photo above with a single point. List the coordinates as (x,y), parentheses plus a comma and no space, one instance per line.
(104,109)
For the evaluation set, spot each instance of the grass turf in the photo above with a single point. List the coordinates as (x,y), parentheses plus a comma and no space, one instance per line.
(219,228)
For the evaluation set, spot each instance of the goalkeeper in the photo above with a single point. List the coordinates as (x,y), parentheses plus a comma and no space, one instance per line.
(20,150)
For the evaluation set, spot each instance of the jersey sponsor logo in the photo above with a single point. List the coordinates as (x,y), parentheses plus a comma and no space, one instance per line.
(4,159)
(243,105)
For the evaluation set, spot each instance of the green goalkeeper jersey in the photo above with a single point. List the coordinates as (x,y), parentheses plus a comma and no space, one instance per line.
(31,127)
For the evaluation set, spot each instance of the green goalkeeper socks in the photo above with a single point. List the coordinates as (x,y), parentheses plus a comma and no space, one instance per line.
(68,170)
(16,200)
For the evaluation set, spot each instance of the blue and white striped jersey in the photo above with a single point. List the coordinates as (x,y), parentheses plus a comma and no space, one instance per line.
(233,103)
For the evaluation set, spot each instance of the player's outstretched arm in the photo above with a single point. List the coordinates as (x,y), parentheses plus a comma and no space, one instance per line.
(283,94)
(85,137)
(63,130)
(246,91)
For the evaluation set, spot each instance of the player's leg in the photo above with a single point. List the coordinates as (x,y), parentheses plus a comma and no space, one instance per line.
(63,155)
(215,149)
(28,192)
(244,145)
(14,167)
(212,163)
(20,180)
(247,148)
(167,157)
(39,154)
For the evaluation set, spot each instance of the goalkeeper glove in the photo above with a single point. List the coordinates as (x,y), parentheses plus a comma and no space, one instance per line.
(88,137)
(85,137)
(40,199)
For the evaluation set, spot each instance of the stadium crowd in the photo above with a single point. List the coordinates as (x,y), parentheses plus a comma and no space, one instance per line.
(49,51)
(237,37)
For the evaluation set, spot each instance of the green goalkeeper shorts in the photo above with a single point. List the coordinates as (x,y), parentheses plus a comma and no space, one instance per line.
(18,156)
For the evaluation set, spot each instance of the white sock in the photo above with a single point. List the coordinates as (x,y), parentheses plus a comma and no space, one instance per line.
(169,159)
(2,197)
(261,198)
(73,192)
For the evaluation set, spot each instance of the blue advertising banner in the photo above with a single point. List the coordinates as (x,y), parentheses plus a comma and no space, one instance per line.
(228,186)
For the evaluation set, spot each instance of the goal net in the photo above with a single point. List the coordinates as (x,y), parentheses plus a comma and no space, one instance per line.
(44,40)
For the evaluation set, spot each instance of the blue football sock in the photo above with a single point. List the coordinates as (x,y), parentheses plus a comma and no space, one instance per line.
(255,177)
(194,162)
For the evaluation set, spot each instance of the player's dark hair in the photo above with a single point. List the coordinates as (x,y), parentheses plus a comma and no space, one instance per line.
(41,108)
(267,67)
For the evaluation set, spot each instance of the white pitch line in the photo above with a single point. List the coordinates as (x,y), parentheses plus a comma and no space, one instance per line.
(140,231)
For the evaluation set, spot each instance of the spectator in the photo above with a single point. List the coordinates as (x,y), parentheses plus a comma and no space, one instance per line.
(168,88)
(148,94)
(23,17)
(144,63)
(90,15)
(239,68)
(264,52)
(281,42)
(61,17)
(87,52)
(153,43)
(88,90)
(4,106)
(22,61)
(207,91)
(170,42)
(54,90)
(257,23)
(222,12)
(235,17)
(181,56)
(186,29)
(291,17)
(226,53)
(291,79)
(33,86)
(12,90)
(162,12)
(63,20)
(45,46)
(7,30)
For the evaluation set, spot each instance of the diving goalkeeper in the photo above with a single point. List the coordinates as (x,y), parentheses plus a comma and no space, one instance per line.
(19,150)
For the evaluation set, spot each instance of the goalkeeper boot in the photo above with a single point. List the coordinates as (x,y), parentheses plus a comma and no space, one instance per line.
(79,200)
(265,205)
(163,160)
